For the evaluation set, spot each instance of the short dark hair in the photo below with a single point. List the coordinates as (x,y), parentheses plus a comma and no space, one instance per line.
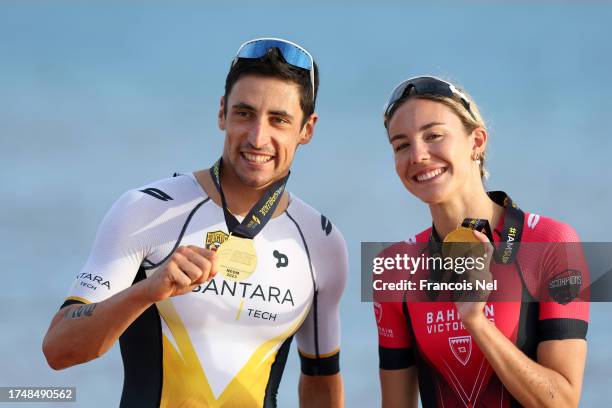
(273,65)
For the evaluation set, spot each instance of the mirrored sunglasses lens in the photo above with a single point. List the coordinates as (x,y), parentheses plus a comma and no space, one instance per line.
(292,54)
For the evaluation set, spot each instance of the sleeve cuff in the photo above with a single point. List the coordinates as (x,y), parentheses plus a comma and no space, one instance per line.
(395,358)
(323,365)
(73,301)
(561,329)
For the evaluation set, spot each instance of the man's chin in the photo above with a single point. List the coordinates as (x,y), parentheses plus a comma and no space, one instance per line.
(255,182)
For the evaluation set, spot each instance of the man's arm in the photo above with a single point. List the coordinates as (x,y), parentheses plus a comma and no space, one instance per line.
(318,339)
(321,391)
(80,333)
(83,332)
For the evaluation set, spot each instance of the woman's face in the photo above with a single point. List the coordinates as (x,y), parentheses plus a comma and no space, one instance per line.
(432,151)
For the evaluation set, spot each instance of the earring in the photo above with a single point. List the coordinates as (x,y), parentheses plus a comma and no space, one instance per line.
(477,160)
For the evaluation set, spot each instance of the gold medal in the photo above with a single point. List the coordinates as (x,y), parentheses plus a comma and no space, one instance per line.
(460,243)
(237,258)
(461,234)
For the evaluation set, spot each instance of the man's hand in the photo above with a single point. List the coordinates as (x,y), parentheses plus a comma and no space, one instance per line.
(188,267)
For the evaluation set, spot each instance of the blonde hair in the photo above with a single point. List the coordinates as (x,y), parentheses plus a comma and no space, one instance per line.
(471,119)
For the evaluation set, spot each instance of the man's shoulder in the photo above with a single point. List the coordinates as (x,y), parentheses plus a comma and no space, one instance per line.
(325,245)
(171,191)
(179,187)
(178,192)
(311,221)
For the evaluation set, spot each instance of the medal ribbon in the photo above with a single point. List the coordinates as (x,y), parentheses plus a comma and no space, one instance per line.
(259,215)
(511,234)
(507,249)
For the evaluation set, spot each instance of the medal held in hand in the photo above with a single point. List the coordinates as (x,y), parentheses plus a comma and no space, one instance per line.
(462,242)
(237,256)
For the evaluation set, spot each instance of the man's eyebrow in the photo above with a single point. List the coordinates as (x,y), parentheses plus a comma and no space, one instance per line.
(246,106)
(423,128)
(243,105)
(395,137)
(280,113)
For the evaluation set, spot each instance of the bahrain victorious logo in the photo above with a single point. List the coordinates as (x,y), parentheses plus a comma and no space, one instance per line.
(282,260)
(214,239)
(461,347)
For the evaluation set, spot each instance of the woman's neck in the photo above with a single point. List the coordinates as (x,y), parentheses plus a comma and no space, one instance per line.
(449,215)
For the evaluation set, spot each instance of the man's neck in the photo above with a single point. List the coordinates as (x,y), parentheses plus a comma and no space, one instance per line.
(239,198)
(449,215)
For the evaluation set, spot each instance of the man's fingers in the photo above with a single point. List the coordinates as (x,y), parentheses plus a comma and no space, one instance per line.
(187,266)
(210,256)
(214,267)
(205,252)
(201,262)
(177,276)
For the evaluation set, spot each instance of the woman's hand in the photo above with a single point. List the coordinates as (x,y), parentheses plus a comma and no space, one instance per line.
(470,304)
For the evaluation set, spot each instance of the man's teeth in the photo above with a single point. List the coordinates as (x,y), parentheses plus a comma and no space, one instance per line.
(257,158)
(429,175)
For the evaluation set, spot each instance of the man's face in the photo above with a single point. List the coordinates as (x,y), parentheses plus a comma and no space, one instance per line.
(263,128)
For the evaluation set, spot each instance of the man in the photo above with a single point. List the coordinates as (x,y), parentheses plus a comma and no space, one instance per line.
(206,277)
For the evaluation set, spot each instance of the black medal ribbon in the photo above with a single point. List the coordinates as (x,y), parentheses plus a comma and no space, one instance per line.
(259,215)
(511,234)
(478,224)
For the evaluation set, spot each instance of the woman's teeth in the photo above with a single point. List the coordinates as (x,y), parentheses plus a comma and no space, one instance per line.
(429,175)
(257,158)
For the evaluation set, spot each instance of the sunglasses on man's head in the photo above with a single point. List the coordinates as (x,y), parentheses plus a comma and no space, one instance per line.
(425,85)
(293,54)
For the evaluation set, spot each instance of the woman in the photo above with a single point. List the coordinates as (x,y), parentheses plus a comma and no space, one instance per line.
(474,354)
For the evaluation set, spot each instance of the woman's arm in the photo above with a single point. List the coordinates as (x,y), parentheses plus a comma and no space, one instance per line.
(399,388)
(555,380)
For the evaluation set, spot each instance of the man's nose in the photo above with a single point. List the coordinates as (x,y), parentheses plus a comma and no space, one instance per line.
(259,134)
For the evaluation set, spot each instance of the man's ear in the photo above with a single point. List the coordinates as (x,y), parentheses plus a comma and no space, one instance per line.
(222,113)
(308,129)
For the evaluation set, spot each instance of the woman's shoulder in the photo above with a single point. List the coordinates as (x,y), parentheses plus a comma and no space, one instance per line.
(539,228)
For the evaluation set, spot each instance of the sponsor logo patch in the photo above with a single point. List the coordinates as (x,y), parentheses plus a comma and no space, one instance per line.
(326,225)
(282,260)
(92,281)
(214,239)
(565,286)
(533,220)
(157,193)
